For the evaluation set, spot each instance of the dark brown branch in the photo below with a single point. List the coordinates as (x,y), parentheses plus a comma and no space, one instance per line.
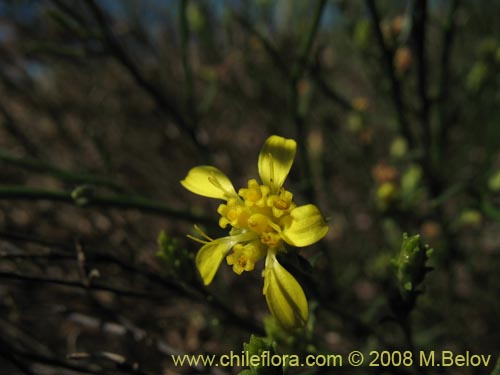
(194,291)
(117,360)
(118,201)
(14,355)
(10,357)
(80,285)
(270,49)
(447,44)
(329,91)
(188,76)
(301,65)
(19,135)
(419,44)
(388,56)
(37,165)
(164,102)
(298,116)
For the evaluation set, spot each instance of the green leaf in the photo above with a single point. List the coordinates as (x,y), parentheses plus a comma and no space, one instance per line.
(256,347)
(496,370)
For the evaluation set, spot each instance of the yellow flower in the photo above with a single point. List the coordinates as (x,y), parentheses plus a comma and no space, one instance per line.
(262,218)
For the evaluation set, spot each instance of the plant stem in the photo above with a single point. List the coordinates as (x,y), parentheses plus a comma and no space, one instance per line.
(305,52)
(388,56)
(420,23)
(61,174)
(298,116)
(118,201)
(164,102)
(188,76)
(447,43)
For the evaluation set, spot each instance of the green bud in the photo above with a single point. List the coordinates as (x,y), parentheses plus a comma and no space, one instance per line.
(399,148)
(387,191)
(411,179)
(362,33)
(411,264)
(255,348)
(477,76)
(386,195)
(355,122)
(494,181)
(195,17)
(469,218)
(82,195)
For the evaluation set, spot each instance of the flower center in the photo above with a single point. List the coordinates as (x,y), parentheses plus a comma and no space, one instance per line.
(258,211)
(262,215)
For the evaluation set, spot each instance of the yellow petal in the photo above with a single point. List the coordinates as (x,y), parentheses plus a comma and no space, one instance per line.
(284,295)
(210,256)
(306,227)
(209,182)
(275,161)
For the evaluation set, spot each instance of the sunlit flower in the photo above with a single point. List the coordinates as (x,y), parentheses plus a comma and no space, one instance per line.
(262,218)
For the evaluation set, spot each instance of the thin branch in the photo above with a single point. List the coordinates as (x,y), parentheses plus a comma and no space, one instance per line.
(118,201)
(447,44)
(79,285)
(164,102)
(186,66)
(283,67)
(7,355)
(270,49)
(388,56)
(119,361)
(298,116)
(47,255)
(27,93)
(303,60)
(194,291)
(37,165)
(329,91)
(420,23)
(14,354)
(301,64)
(11,127)
(419,40)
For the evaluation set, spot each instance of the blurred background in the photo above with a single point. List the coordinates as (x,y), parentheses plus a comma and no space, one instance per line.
(106,105)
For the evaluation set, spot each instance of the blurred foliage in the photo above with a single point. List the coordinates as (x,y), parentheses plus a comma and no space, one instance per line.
(104,107)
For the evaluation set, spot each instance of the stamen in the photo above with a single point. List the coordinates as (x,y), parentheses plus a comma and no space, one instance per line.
(270,239)
(197,239)
(203,234)
(206,240)
(281,204)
